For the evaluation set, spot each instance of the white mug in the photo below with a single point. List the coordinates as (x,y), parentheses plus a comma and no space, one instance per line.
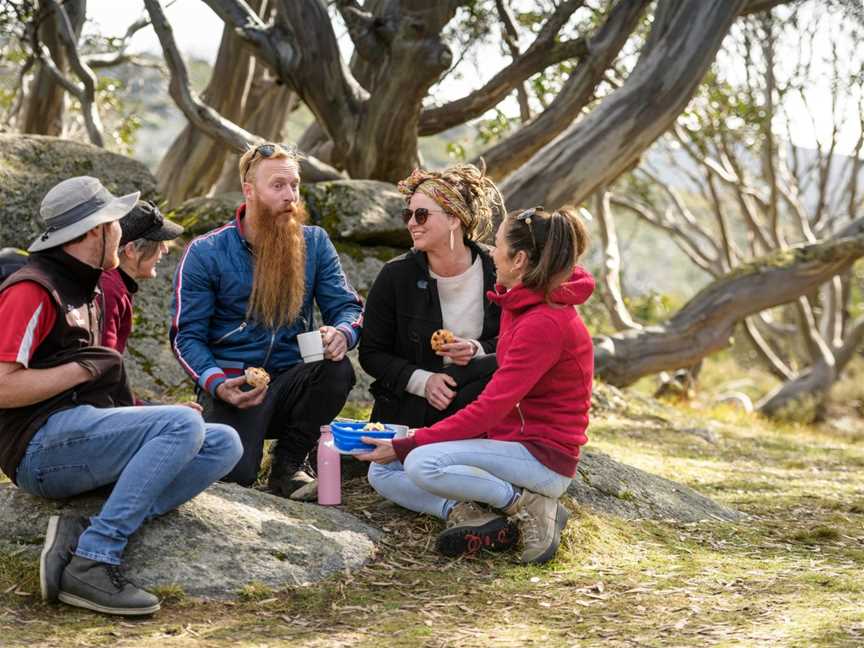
(311,346)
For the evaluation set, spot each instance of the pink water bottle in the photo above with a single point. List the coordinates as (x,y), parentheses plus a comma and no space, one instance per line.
(329,470)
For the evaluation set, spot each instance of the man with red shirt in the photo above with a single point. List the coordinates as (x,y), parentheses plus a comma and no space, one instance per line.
(65,422)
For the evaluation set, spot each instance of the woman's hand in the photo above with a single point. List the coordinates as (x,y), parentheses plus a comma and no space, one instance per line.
(460,351)
(192,405)
(383,452)
(438,392)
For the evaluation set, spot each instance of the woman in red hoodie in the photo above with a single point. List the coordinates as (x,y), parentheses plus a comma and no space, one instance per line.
(515,448)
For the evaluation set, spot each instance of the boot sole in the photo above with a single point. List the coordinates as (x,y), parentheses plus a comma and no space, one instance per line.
(50,537)
(562,517)
(77,601)
(496,535)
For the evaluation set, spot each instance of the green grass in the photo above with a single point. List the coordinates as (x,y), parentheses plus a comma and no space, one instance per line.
(787,575)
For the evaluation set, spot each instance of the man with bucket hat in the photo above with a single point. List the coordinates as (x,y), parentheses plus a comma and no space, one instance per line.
(65,424)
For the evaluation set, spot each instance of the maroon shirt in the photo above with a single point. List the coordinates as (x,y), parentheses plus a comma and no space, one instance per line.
(118,290)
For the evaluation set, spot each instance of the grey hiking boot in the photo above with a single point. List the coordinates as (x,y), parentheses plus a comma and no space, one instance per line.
(540,520)
(471,528)
(103,588)
(61,539)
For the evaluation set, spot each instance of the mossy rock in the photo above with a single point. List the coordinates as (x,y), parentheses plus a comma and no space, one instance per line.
(362,211)
(200,215)
(31,164)
(225,541)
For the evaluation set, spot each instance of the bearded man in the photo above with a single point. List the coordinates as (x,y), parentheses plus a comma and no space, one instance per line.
(242,294)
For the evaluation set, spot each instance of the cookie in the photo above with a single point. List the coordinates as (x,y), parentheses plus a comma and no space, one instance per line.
(440,338)
(374,427)
(257,377)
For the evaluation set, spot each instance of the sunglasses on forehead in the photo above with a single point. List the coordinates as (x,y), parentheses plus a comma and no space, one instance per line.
(421,215)
(265,151)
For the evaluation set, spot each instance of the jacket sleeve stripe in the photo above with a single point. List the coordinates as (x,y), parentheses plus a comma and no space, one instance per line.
(178,295)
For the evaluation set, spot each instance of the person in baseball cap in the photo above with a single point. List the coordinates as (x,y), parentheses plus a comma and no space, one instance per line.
(145,232)
(66,415)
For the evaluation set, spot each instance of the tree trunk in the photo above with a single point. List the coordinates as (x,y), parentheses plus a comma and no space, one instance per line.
(610,271)
(596,150)
(706,322)
(265,113)
(46,99)
(194,160)
(510,154)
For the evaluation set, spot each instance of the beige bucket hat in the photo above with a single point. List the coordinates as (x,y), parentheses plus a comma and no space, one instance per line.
(76,206)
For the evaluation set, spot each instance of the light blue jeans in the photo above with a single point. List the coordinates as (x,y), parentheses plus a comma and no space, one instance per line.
(159,457)
(438,475)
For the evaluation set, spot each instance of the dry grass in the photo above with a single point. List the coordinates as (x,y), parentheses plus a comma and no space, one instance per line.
(789,575)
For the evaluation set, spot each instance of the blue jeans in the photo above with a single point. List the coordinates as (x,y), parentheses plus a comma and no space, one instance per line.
(159,457)
(438,475)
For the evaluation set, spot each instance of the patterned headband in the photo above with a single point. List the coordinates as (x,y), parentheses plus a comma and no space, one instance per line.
(441,191)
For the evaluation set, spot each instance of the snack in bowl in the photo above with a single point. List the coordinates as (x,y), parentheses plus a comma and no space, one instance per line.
(257,377)
(374,427)
(440,338)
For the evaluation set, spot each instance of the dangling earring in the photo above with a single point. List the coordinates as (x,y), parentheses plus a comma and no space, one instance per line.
(452,243)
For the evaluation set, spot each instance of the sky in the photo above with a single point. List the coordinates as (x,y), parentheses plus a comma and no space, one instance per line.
(198,32)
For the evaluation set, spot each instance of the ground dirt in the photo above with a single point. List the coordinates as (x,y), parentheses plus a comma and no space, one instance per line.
(787,575)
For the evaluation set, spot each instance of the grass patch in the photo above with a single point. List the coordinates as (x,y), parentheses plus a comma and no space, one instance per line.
(787,575)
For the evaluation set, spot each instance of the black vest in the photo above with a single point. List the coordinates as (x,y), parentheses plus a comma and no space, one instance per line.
(74,337)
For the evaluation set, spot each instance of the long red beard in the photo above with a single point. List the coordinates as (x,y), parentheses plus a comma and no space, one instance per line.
(279,279)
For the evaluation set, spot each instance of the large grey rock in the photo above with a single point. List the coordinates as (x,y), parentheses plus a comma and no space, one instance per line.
(606,485)
(200,215)
(31,164)
(362,211)
(224,539)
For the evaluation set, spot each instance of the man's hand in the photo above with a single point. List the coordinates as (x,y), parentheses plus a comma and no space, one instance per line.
(193,405)
(460,351)
(230,391)
(383,452)
(335,343)
(438,392)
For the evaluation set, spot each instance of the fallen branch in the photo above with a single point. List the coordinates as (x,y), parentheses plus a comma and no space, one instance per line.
(705,324)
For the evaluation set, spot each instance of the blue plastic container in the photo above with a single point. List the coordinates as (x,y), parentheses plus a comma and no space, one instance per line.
(347,434)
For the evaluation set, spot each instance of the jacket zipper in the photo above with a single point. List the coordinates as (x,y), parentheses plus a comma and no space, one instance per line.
(230,333)
(269,349)
(519,410)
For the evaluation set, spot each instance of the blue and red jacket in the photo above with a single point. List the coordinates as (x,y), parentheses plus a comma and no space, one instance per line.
(211,335)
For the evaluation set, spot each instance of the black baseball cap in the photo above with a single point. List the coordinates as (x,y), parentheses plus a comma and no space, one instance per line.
(147,222)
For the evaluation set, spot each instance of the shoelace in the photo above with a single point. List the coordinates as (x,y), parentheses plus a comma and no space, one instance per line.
(528,526)
(115,573)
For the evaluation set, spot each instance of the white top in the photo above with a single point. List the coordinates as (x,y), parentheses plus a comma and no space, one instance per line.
(461,300)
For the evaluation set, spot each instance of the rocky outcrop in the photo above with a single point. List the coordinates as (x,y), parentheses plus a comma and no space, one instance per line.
(200,215)
(224,539)
(367,212)
(606,485)
(31,164)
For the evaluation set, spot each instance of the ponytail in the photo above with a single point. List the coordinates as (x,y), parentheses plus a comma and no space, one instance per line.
(552,242)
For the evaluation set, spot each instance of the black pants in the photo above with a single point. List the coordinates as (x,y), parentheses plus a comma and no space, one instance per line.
(298,402)
(470,380)
(414,411)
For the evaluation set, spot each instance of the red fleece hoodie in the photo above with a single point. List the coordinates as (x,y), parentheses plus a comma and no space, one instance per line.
(541,392)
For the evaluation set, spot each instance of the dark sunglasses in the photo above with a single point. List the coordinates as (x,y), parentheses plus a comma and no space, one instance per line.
(265,151)
(421,215)
(527,217)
